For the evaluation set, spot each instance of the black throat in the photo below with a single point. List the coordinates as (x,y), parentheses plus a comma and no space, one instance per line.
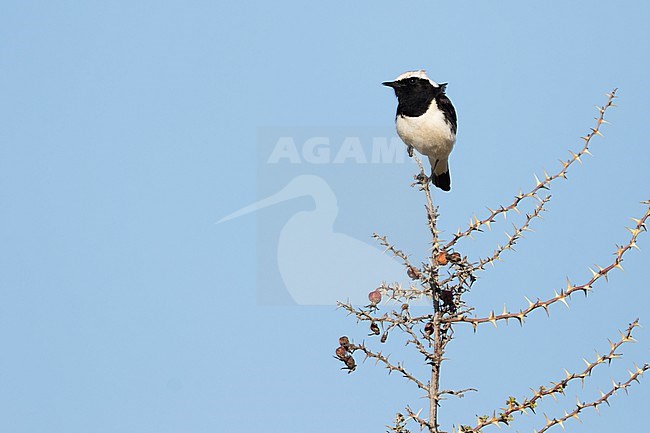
(415,102)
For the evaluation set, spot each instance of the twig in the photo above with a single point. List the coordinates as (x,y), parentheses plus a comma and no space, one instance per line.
(558,387)
(383,241)
(570,289)
(416,417)
(512,239)
(391,367)
(634,377)
(476,224)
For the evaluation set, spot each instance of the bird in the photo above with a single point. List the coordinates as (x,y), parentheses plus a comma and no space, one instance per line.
(426,120)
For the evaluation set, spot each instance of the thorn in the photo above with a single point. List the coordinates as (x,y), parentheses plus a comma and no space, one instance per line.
(597,132)
(530,303)
(569,287)
(603,396)
(561,297)
(575,156)
(612,346)
(520,318)
(493,319)
(594,274)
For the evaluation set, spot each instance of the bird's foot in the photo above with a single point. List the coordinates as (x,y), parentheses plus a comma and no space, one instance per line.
(420,179)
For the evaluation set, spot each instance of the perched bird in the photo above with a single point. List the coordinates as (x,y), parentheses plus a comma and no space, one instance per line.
(426,121)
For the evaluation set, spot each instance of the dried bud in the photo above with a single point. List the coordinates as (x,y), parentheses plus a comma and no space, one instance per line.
(374,297)
(342,353)
(405,307)
(384,337)
(428,328)
(350,364)
(441,258)
(454,257)
(447,297)
(374,328)
(413,273)
(344,342)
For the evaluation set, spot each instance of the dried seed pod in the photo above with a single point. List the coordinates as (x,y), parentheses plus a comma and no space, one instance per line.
(441,258)
(342,353)
(454,257)
(447,297)
(413,273)
(374,297)
(344,341)
(384,337)
(374,329)
(405,307)
(350,364)
(428,328)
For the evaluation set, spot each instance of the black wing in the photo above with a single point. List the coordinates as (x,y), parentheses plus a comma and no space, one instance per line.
(445,105)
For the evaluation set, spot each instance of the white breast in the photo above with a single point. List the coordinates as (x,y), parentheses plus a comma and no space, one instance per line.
(430,133)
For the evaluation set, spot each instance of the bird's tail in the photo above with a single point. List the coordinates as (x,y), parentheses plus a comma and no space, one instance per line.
(442,181)
(440,173)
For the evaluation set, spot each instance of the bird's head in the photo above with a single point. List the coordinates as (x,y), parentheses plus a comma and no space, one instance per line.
(414,83)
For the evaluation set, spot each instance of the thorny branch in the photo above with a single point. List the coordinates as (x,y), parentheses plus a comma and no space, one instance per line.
(391,367)
(558,387)
(514,237)
(383,241)
(430,333)
(634,377)
(416,417)
(571,288)
(476,224)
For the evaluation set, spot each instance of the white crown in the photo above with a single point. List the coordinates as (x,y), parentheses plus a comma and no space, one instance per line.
(417,74)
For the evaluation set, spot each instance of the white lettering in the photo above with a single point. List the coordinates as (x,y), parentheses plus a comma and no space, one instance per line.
(315,154)
(351,148)
(284,148)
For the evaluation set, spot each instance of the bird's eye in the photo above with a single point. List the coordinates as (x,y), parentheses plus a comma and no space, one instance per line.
(413,80)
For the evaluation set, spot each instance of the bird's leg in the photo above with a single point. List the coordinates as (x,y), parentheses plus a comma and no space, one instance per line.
(409,149)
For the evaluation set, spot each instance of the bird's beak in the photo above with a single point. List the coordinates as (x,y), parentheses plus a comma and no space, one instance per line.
(392,84)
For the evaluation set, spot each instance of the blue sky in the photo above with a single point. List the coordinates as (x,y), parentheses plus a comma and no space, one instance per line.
(130,129)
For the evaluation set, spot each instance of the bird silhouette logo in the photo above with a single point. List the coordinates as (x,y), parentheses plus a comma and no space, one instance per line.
(319,265)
